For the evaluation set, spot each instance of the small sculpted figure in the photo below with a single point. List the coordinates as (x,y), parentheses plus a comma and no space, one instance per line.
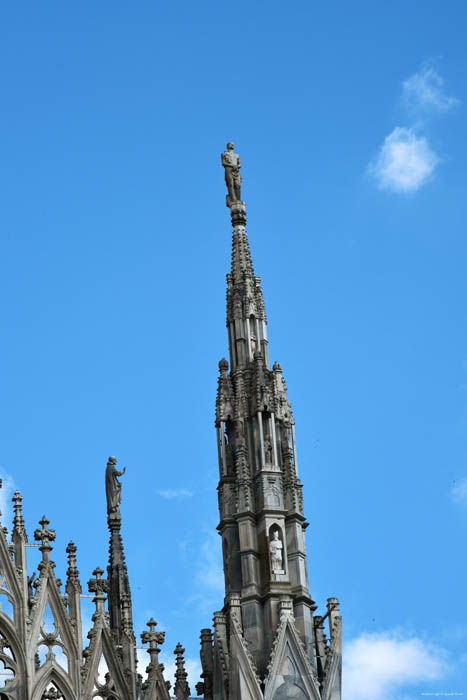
(233,177)
(253,343)
(275,549)
(268,451)
(113,488)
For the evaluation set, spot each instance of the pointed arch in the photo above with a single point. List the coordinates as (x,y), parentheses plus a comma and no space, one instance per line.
(9,584)
(102,646)
(51,672)
(49,596)
(290,666)
(16,660)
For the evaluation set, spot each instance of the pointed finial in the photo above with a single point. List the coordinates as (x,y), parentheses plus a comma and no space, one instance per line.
(152,637)
(45,536)
(181,688)
(98,585)
(223,366)
(72,571)
(18,520)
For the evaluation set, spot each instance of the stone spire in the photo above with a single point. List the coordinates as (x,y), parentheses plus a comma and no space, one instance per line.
(181,688)
(19,539)
(45,537)
(119,600)
(268,607)
(156,687)
(18,520)
(73,591)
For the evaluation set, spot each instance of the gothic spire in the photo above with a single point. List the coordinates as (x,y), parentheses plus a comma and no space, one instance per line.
(120,608)
(18,520)
(45,537)
(156,687)
(246,316)
(268,607)
(181,688)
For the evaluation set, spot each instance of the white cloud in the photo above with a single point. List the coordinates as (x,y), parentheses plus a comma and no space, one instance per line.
(459,492)
(380,666)
(425,90)
(405,161)
(210,573)
(6,493)
(175,494)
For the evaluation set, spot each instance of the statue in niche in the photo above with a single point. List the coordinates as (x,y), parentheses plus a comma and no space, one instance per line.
(268,450)
(233,178)
(253,343)
(113,488)
(275,549)
(228,454)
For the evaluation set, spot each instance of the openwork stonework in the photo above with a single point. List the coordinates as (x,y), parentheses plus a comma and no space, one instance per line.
(267,642)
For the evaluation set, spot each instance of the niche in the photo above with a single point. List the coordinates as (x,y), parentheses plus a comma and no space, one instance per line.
(253,336)
(276,550)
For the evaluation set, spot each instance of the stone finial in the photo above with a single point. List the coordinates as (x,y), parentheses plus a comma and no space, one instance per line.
(223,366)
(181,688)
(18,520)
(45,536)
(72,571)
(152,637)
(98,585)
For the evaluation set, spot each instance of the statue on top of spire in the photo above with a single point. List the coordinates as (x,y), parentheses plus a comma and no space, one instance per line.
(113,488)
(233,178)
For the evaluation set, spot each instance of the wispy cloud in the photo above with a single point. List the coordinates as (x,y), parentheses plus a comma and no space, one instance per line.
(380,666)
(424,90)
(405,161)
(6,493)
(210,573)
(208,576)
(459,492)
(175,494)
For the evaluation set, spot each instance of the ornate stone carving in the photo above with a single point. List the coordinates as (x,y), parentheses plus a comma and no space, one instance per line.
(233,178)
(276,553)
(113,488)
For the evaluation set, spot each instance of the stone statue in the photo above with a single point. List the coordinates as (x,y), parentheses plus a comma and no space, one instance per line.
(253,343)
(267,450)
(113,488)
(275,549)
(233,177)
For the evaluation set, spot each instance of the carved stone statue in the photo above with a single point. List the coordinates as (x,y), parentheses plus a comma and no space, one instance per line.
(253,343)
(275,549)
(233,177)
(267,450)
(113,488)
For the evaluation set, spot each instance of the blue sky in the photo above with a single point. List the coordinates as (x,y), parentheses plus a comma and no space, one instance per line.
(115,241)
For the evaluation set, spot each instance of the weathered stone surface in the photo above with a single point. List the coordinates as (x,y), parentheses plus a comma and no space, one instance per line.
(274,635)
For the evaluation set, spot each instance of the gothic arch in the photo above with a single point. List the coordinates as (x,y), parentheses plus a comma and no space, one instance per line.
(51,672)
(9,634)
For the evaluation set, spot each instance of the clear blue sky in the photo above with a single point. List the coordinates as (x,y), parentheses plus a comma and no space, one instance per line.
(115,240)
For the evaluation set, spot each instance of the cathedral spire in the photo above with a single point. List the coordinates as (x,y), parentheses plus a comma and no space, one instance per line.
(265,637)
(246,317)
(120,608)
